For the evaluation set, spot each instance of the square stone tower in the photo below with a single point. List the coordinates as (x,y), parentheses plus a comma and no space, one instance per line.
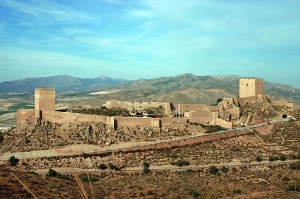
(45,99)
(251,87)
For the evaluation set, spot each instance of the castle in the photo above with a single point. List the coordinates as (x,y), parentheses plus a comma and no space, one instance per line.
(222,114)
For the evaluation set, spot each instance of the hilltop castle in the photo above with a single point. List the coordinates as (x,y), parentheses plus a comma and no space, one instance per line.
(222,114)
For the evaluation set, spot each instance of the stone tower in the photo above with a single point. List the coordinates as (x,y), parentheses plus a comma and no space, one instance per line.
(45,99)
(251,87)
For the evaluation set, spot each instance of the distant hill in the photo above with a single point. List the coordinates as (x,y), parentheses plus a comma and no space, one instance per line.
(188,88)
(185,88)
(60,83)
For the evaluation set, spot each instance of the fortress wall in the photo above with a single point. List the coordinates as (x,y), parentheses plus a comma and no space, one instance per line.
(25,116)
(223,123)
(234,112)
(133,122)
(214,108)
(61,117)
(245,100)
(29,154)
(282,103)
(171,121)
(201,117)
(191,107)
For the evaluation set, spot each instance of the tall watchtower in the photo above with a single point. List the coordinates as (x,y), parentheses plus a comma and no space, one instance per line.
(251,87)
(45,99)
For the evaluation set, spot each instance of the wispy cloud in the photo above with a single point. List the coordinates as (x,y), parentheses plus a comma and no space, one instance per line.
(153,37)
(47,11)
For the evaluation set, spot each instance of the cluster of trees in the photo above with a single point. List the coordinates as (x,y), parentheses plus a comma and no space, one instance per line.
(272,158)
(53,173)
(181,163)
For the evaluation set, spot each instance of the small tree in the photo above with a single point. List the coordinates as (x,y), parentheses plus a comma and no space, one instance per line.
(224,169)
(213,170)
(146,164)
(282,158)
(146,167)
(258,158)
(13,161)
(193,193)
(102,166)
(52,173)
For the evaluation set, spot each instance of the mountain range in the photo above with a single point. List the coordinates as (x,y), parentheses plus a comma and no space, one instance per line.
(61,83)
(185,88)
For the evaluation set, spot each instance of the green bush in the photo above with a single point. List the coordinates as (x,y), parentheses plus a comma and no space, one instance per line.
(52,173)
(282,158)
(13,161)
(273,158)
(146,164)
(146,170)
(86,179)
(113,167)
(193,193)
(224,169)
(213,170)
(182,163)
(258,159)
(102,166)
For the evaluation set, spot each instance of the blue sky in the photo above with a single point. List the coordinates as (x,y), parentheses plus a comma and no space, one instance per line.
(150,38)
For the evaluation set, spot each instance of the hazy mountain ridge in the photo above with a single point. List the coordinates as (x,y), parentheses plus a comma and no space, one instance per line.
(185,88)
(188,88)
(60,82)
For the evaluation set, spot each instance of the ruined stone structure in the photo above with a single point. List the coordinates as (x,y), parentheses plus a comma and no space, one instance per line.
(222,114)
(250,87)
(139,106)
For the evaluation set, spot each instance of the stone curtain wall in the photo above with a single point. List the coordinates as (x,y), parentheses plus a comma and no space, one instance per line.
(25,116)
(132,121)
(223,123)
(63,117)
(201,117)
(282,103)
(170,121)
